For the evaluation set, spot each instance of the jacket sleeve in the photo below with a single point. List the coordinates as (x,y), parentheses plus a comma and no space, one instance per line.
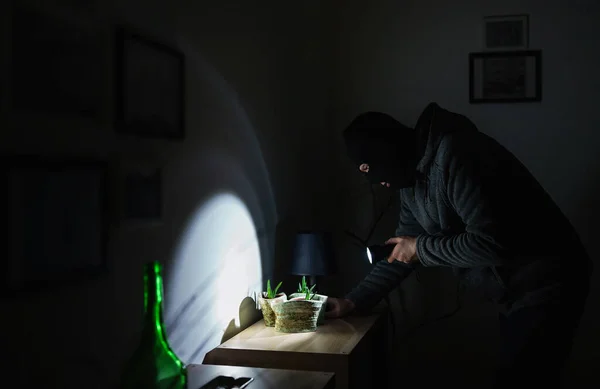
(384,276)
(407,224)
(473,192)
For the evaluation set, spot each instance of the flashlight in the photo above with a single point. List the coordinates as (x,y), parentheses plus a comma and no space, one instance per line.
(379,252)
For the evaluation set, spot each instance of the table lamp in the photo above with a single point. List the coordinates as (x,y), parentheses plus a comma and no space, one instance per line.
(313,255)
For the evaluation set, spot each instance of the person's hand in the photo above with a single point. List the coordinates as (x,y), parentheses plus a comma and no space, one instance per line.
(337,307)
(405,250)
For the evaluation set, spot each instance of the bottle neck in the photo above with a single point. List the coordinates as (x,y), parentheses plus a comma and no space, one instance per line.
(153,307)
(153,292)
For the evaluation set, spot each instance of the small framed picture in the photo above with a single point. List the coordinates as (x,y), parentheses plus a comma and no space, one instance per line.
(503,77)
(150,88)
(509,32)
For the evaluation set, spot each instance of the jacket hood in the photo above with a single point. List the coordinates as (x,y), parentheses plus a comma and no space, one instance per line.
(398,154)
(433,125)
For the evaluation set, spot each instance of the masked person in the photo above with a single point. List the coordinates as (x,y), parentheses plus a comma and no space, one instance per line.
(469,204)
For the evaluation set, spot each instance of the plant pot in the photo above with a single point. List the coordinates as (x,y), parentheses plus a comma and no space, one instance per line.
(267,311)
(318,297)
(296,315)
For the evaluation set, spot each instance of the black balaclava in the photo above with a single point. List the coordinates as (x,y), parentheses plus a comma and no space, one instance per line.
(386,145)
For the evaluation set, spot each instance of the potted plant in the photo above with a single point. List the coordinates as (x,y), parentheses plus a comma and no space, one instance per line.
(298,314)
(303,289)
(267,299)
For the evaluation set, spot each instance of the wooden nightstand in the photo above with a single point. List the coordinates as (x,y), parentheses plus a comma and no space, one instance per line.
(354,348)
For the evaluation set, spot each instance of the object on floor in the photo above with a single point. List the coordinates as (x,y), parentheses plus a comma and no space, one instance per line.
(201,375)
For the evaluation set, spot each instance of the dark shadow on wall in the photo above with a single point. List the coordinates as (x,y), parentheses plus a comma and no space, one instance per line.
(582,366)
(283,254)
(587,214)
(248,314)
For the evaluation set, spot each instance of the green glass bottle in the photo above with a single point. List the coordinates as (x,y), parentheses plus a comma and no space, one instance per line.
(154,365)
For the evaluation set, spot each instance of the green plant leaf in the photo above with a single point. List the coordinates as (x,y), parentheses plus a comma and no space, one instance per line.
(309,296)
(269,291)
(277,288)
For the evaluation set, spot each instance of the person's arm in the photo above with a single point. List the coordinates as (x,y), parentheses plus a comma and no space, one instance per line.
(385,276)
(407,224)
(473,192)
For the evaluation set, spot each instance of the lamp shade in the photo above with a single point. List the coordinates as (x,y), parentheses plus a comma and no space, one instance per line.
(313,254)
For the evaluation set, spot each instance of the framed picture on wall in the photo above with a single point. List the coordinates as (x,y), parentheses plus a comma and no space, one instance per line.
(55,212)
(509,32)
(505,77)
(150,88)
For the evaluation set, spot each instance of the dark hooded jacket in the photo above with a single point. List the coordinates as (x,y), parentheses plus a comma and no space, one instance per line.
(476,208)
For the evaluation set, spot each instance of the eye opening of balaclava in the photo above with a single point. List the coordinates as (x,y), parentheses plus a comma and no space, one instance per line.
(386,145)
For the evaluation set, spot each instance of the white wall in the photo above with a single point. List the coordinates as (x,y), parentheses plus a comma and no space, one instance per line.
(396,56)
(255,118)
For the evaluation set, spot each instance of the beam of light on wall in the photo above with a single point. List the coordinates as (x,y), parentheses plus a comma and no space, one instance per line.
(221,101)
(226,245)
(216,266)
